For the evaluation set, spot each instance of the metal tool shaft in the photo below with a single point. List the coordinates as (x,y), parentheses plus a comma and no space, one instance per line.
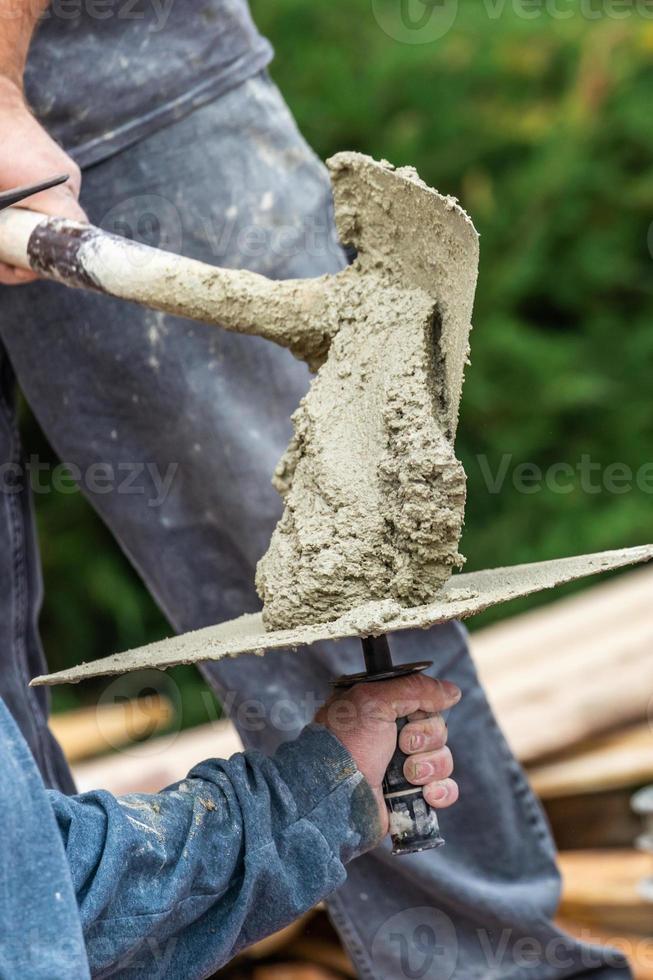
(376,651)
(18,194)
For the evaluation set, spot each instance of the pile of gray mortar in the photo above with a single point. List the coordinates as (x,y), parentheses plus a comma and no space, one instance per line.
(374,495)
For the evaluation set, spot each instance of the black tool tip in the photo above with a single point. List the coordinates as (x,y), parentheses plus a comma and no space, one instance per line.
(18,194)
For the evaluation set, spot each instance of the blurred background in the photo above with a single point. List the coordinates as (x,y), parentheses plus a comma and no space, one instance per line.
(537,116)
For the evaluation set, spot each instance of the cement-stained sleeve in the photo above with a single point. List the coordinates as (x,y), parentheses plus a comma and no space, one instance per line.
(232,853)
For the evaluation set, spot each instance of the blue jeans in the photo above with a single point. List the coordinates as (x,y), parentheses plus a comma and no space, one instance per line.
(149,395)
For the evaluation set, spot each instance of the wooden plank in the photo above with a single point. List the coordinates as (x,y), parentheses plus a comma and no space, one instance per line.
(622,759)
(637,949)
(148,767)
(293,971)
(505,645)
(279,941)
(593,820)
(88,732)
(579,667)
(323,953)
(601,888)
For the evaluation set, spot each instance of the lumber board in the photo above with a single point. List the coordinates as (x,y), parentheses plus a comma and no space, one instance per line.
(622,759)
(593,820)
(149,766)
(87,732)
(637,949)
(577,668)
(601,887)
(293,971)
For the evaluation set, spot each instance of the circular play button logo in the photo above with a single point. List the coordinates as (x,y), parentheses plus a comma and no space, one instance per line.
(415,21)
(421,944)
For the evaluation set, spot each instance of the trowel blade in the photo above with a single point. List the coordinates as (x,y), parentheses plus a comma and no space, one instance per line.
(462,596)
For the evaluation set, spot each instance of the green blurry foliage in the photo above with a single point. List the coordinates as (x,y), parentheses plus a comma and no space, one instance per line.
(542,128)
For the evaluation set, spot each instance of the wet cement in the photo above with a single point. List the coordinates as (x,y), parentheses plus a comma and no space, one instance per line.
(374,495)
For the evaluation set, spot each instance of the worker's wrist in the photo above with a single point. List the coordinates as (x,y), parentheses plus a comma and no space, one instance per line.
(330,791)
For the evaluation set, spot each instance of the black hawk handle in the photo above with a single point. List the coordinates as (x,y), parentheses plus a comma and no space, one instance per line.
(413,823)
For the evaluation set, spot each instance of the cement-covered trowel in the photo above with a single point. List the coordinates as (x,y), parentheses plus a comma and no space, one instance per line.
(374,495)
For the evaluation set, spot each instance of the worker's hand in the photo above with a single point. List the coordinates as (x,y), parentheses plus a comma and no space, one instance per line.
(364,719)
(29,155)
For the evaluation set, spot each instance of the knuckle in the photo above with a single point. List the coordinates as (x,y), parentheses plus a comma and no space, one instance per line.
(365,701)
(412,684)
(359,694)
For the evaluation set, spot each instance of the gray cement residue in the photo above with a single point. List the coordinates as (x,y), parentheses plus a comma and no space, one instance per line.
(374,495)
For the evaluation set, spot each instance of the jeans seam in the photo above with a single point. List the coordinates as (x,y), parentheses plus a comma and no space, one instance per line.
(19,589)
(344,924)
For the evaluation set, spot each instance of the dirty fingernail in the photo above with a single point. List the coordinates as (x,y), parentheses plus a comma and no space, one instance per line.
(421,770)
(416,742)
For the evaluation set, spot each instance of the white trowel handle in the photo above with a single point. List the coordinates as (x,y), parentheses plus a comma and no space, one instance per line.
(289,313)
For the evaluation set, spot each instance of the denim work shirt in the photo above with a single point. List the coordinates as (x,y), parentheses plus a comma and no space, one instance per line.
(175,883)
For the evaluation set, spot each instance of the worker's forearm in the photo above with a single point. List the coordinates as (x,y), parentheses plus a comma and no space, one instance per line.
(189,876)
(18,19)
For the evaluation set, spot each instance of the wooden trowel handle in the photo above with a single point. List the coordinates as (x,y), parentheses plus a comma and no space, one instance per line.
(80,255)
